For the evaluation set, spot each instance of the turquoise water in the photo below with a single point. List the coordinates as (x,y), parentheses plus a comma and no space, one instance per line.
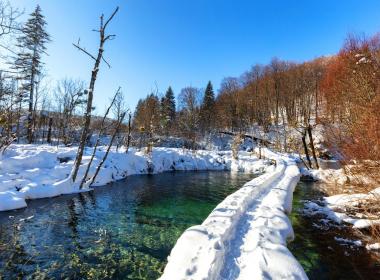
(317,250)
(122,231)
(126,230)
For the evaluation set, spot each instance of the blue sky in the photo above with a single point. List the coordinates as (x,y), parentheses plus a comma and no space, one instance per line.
(189,42)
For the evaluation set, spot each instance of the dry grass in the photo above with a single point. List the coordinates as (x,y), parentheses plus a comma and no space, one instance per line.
(363,177)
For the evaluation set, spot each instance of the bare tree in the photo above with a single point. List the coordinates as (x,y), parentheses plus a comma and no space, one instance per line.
(101,130)
(103,38)
(70,96)
(128,136)
(9,25)
(189,102)
(7,102)
(8,18)
(119,121)
(118,108)
(119,113)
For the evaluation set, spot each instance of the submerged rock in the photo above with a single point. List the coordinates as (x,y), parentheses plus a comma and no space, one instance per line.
(307,178)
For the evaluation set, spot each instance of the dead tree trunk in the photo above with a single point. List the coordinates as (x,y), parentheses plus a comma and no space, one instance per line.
(49,131)
(18,134)
(98,59)
(256,139)
(260,150)
(119,121)
(305,148)
(309,131)
(129,133)
(102,127)
(30,109)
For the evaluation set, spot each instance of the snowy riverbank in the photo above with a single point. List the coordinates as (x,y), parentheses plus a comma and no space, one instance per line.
(350,201)
(245,236)
(38,171)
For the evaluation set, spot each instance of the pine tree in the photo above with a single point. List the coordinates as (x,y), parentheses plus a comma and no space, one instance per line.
(168,109)
(207,108)
(32,44)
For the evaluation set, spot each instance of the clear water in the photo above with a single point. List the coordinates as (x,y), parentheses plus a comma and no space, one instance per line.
(317,250)
(122,231)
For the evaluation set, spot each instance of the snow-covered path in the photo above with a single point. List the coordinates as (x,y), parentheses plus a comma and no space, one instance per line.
(259,246)
(232,263)
(245,236)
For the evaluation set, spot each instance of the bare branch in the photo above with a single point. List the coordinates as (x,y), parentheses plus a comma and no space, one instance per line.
(109,37)
(84,50)
(7,71)
(111,17)
(8,19)
(101,130)
(106,62)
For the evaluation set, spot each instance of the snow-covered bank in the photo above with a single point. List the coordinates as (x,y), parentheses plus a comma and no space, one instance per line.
(337,208)
(245,236)
(38,171)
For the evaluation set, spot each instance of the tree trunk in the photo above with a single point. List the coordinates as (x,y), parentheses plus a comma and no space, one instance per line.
(49,131)
(107,152)
(306,150)
(260,151)
(30,109)
(101,130)
(86,126)
(285,134)
(95,70)
(18,122)
(309,130)
(129,133)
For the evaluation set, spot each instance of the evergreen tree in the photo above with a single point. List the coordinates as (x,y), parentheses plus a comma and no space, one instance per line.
(207,108)
(32,44)
(168,109)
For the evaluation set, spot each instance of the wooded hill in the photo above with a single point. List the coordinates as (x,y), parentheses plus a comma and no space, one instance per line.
(340,92)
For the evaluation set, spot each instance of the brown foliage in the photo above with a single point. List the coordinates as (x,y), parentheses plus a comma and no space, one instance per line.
(351,90)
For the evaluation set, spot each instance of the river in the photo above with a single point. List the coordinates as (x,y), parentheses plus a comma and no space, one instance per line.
(122,231)
(127,229)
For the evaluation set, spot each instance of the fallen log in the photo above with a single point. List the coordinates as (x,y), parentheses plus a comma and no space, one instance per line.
(254,138)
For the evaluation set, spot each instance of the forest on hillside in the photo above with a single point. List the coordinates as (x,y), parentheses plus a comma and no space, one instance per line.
(339,92)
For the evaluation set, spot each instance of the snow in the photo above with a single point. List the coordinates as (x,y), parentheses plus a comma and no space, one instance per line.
(39,171)
(330,172)
(345,241)
(345,199)
(245,236)
(338,202)
(11,200)
(333,207)
(373,247)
